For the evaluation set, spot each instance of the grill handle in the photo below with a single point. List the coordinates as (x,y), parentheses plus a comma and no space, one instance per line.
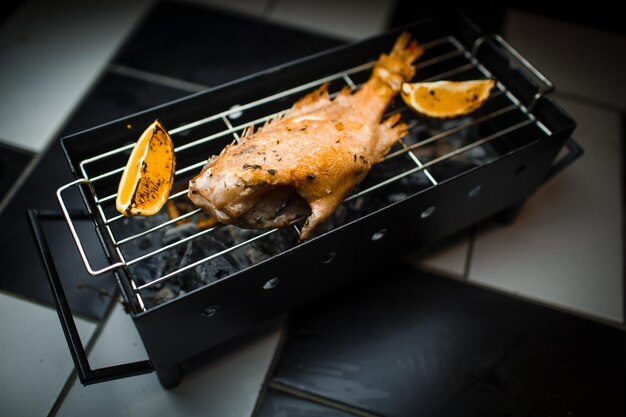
(86,374)
(574,151)
(79,246)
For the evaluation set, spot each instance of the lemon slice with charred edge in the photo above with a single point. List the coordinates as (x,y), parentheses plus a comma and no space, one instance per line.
(147,179)
(442,99)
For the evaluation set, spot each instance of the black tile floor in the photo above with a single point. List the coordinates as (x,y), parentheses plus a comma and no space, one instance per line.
(187,43)
(405,343)
(117,96)
(277,403)
(12,162)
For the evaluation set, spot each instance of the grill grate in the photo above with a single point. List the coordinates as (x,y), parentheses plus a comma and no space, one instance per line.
(456,62)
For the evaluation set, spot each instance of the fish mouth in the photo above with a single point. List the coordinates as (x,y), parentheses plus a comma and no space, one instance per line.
(279,206)
(263,208)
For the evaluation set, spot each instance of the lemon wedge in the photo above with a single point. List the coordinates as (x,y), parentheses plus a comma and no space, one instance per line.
(149,174)
(443,99)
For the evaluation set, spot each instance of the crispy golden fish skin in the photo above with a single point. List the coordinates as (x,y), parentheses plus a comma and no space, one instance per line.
(304,163)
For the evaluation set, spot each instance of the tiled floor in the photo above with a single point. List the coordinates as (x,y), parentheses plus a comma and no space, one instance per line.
(34,361)
(50,62)
(589,63)
(449,257)
(223,383)
(12,163)
(568,234)
(564,249)
(566,246)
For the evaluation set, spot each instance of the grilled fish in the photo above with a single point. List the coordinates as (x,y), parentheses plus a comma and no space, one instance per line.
(304,163)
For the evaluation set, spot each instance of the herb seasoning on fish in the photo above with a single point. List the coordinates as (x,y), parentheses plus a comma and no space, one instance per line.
(319,142)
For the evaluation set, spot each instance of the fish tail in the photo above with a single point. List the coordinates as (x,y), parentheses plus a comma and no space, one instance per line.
(406,50)
(397,67)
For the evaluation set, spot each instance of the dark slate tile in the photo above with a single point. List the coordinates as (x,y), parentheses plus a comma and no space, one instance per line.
(404,343)
(117,96)
(113,97)
(210,47)
(22,272)
(12,163)
(278,404)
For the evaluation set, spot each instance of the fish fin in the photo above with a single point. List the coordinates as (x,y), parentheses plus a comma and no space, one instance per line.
(392,120)
(346,91)
(276,117)
(318,215)
(247,132)
(391,130)
(271,120)
(224,150)
(313,100)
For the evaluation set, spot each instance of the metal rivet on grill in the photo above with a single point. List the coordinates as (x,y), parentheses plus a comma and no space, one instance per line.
(329,257)
(426,213)
(209,311)
(379,235)
(474,191)
(237,114)
(270,284)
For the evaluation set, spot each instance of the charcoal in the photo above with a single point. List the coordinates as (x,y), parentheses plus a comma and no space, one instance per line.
(128,226)
(357,204)
(164,294)
(396,197)
(276,243)
(147,271)
(208,271)
(255,255)
(174,234)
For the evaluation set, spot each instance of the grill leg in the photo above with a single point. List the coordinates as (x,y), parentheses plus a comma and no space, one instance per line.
(508,216)
(170,377)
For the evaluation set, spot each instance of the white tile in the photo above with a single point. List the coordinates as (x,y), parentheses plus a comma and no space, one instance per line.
(579,60)
(448,257)
(225,385)
(35,362)
(566,246)
(345,19)
(51,54)
(250,7)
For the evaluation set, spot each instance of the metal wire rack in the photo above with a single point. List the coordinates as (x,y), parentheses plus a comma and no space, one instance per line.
(463,63)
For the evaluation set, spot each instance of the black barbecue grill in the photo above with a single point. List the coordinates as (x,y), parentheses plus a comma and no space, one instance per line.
(191,288)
